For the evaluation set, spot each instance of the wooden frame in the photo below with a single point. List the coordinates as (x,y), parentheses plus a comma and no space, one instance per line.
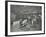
(6,17)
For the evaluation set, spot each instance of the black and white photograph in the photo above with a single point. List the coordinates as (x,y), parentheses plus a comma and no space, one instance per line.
(25,18)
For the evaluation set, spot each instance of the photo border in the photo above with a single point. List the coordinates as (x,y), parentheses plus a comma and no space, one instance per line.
(6,18)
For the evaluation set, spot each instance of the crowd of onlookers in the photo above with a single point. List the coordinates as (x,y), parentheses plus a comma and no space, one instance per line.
(27,21)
